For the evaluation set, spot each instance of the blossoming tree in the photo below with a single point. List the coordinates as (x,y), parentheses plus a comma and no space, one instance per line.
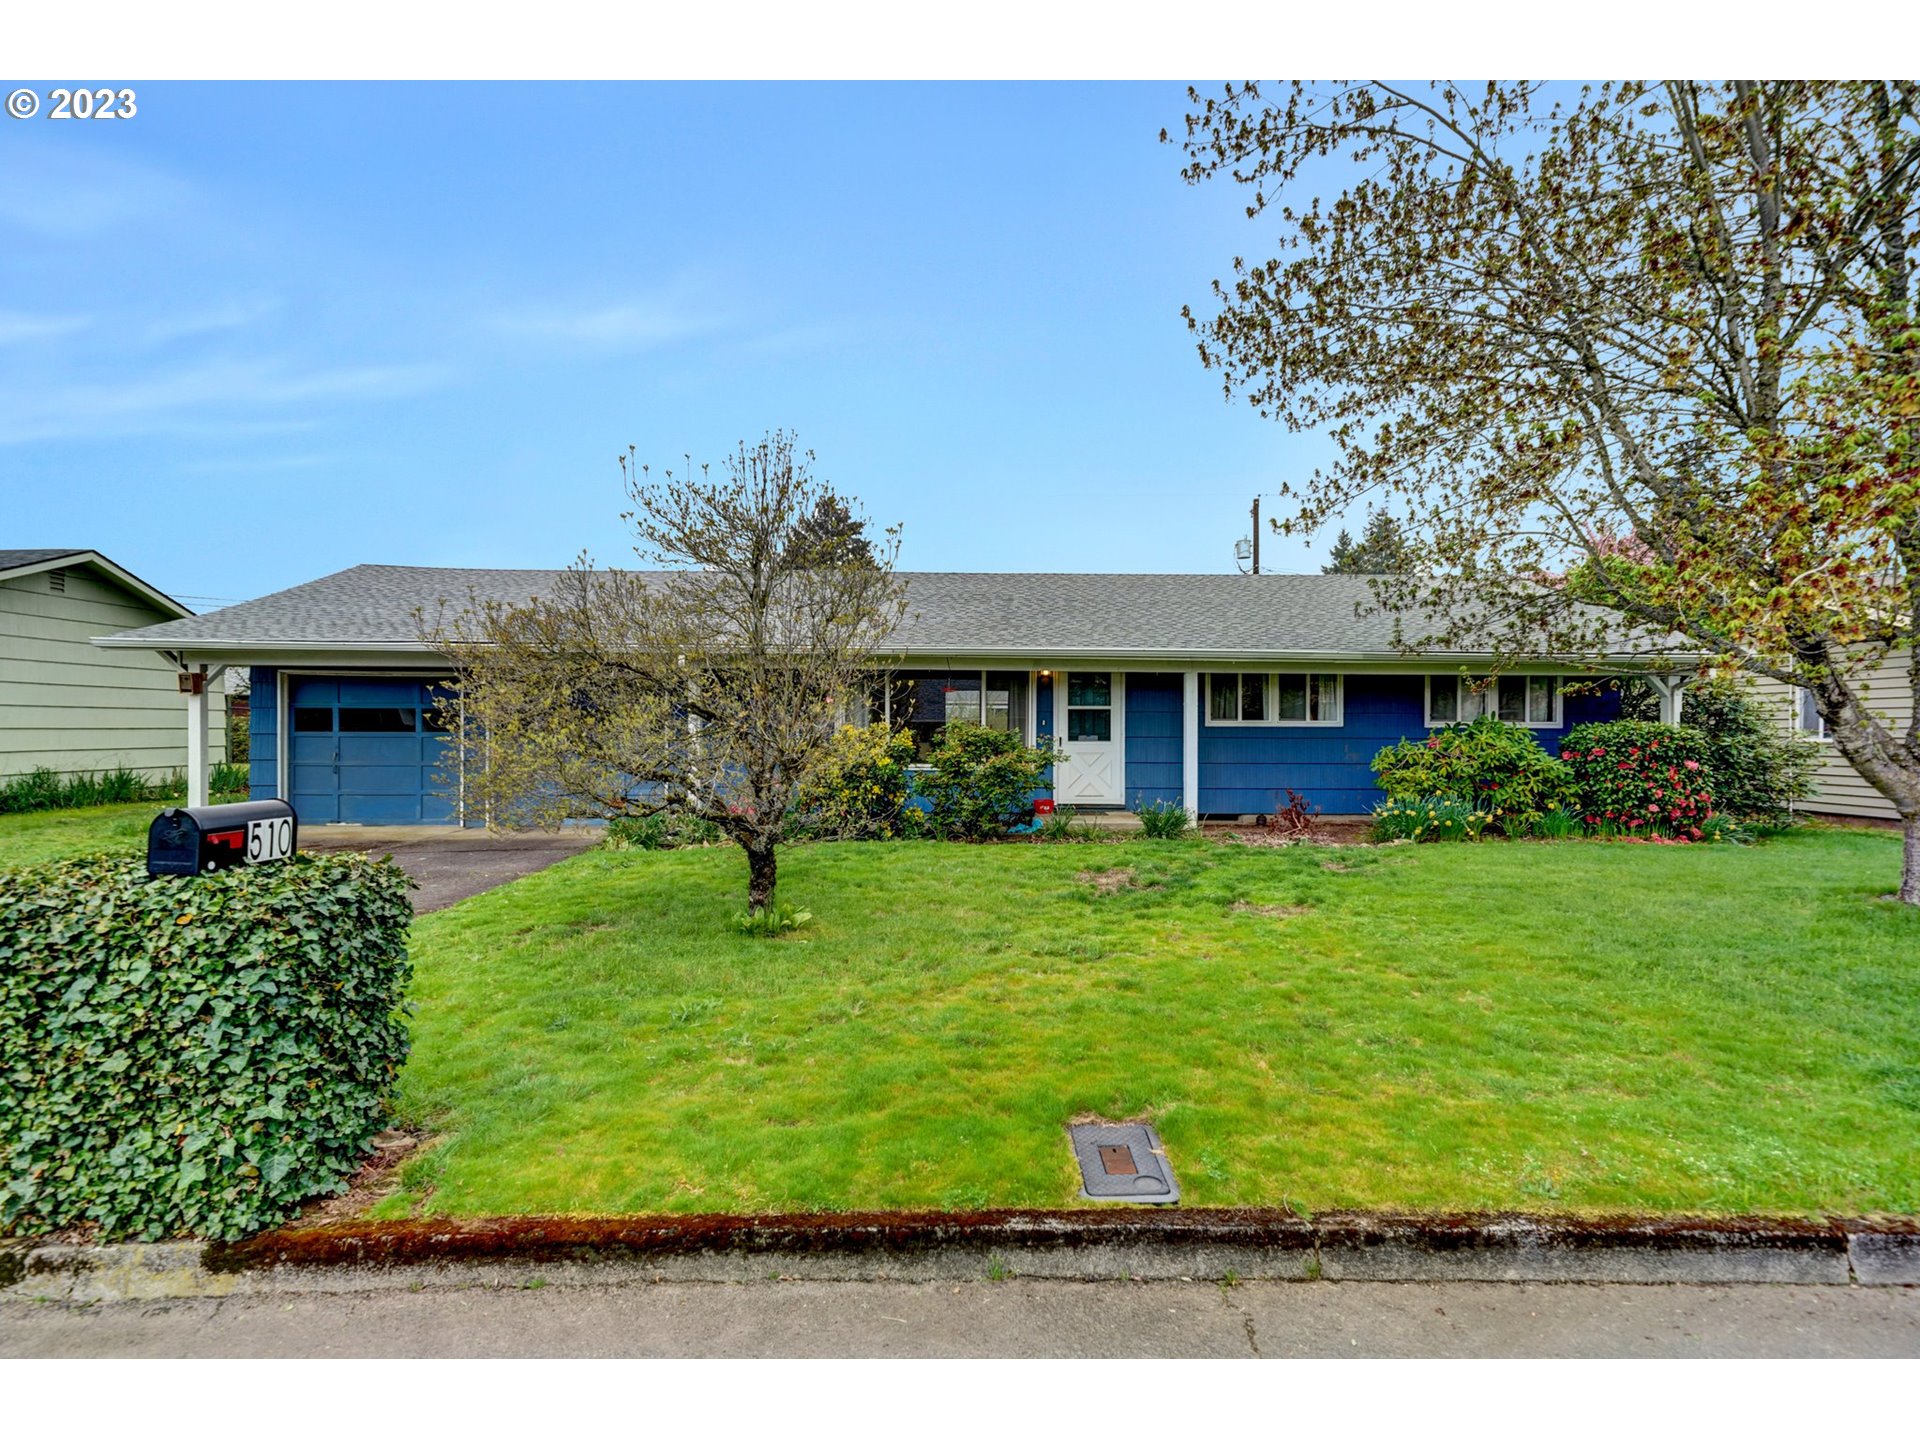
(1656,340)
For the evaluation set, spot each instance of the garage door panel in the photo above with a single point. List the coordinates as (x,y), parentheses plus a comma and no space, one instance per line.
(312,808)
(312,750)
(379,750)
(380,780)
(380,809)
(301,691)
(381,692)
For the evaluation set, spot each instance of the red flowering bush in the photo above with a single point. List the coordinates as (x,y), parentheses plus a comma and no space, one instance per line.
(1640,780)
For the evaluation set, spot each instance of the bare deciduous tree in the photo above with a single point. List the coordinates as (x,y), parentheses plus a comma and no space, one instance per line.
(710,686)
(1647,354)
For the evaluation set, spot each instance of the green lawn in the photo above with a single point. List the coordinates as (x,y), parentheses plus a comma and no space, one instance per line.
(39,835)
(1575,1026)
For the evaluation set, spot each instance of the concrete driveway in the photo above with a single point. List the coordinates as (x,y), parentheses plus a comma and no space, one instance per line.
(449,863)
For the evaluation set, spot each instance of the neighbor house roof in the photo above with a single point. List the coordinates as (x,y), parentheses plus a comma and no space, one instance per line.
(31,562)
(1221,617)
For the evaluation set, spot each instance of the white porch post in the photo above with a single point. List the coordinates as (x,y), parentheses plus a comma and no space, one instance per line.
(1190,743)
(1667,688)
(194,681)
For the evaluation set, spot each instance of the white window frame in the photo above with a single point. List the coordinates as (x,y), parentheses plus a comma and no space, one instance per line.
(1270,680)
(1803,705)
(1471,704)
(1026,718)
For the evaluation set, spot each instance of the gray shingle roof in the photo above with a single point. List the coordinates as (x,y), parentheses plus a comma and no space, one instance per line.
(948,613)
(14,559)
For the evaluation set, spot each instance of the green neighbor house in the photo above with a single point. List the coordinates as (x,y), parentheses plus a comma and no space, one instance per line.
(66,704)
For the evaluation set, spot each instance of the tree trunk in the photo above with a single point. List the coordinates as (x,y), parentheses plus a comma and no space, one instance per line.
(760,873)
(1910,862)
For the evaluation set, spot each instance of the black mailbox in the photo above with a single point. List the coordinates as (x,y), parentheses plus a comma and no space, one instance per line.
(200,839)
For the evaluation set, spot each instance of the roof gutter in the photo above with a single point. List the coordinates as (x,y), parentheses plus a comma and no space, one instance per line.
(1051,657)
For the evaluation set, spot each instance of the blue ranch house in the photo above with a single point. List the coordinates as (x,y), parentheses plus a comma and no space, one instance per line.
(1217,692)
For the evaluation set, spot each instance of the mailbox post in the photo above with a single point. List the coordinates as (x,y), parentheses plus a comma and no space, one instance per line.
(203,839)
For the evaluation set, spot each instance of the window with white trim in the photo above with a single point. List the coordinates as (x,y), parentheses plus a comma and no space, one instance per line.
(1531,700)
(1259,698)
(923,701)
(1807,719)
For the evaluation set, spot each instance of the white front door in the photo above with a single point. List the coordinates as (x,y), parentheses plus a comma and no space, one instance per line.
(1089,724)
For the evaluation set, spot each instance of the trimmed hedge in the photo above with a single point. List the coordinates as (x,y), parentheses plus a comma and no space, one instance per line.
(194,1056)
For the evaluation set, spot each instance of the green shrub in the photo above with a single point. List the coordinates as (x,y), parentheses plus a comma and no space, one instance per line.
(1499,769)
(194,1056)
(1429,818)
(1555,824)
(981,782)
(861,791)
(1062,825)
(49,789)
(1725,829)
(1756,770)
(239,739)
(766,921)
(1164,820)
(1637,778)
(664,830)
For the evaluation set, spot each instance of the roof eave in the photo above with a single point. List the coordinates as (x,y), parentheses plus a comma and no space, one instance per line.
(160,599)
(1055,656)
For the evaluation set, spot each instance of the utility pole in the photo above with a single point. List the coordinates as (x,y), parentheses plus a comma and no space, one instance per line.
(1256,534)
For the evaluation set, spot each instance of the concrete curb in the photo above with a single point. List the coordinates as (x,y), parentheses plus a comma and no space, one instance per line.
(1088,1245)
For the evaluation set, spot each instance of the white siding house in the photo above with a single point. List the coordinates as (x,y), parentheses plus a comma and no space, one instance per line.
(69,705)
(1839,789)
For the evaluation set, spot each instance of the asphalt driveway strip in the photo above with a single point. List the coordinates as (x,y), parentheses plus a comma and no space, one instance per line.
(447,863)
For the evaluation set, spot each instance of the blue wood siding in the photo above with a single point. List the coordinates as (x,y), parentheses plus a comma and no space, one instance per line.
(263,735)
(1153,739)
(1247,770)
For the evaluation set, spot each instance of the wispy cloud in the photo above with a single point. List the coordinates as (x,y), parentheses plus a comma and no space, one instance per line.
(255,464)
(19,329)
(190,400)
(208,319)
(624,325)
(66,193)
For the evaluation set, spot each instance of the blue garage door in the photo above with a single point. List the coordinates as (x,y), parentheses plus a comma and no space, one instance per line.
(367,752)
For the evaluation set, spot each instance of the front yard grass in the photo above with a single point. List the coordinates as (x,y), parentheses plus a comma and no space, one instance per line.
(36,836)
(1497,1026)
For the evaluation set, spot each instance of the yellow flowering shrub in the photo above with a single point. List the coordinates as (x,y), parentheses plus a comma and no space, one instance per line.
(861,791)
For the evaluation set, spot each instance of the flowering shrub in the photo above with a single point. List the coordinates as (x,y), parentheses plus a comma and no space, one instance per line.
(1496,768)
(1639,779)
(1428,818)
(862,790)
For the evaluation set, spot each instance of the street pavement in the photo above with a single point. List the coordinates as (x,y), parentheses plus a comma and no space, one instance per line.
(1009,1318)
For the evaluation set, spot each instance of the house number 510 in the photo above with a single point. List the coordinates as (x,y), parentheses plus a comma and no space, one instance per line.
(269,840)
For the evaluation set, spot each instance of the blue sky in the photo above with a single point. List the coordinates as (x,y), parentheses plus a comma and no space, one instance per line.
(259,333)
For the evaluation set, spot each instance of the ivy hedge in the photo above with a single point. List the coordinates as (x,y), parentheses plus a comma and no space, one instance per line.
(194,1056)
